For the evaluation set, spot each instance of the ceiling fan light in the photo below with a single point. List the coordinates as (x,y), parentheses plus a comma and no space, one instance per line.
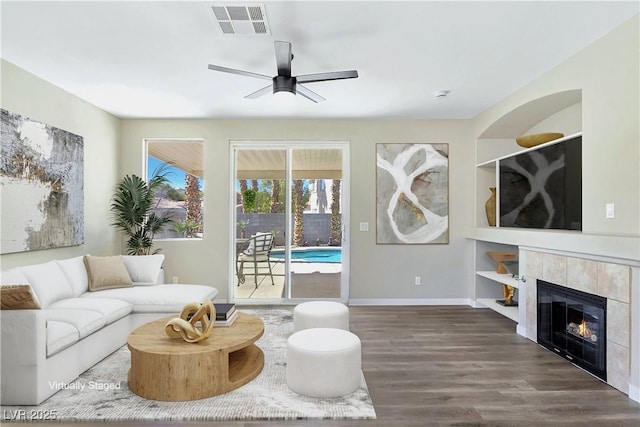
(283,99)
(284,94)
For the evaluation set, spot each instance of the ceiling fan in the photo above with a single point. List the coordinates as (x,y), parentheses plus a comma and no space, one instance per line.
(284,81)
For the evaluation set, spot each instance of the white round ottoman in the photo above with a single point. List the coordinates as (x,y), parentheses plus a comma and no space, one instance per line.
(320,314)
(323,362)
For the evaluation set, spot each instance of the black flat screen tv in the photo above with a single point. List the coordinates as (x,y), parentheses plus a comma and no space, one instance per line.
(542,188)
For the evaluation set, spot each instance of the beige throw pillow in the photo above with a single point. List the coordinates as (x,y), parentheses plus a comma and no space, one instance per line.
(107,272)
(18,297)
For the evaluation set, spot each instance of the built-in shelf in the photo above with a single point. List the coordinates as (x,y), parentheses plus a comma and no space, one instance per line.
(489,283)
(488,176)
(507,279)
(496,143)
(510,312)
(493,162)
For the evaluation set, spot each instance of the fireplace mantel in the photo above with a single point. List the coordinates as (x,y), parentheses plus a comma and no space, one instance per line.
(620,249)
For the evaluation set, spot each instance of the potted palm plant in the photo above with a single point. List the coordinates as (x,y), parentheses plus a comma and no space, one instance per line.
(132,210)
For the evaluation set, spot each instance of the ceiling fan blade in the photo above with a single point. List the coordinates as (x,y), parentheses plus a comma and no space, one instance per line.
(260,92)
(283,58)
(309,94)
(239,72)
(319,77)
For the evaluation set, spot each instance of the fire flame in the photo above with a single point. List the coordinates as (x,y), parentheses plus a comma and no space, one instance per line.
(583,330)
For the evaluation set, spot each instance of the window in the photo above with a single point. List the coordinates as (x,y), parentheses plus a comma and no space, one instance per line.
(181,198)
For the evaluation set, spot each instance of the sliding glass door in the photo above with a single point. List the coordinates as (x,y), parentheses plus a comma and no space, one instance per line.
(289,241)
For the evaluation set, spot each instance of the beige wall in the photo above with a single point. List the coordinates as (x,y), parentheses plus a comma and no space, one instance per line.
(608,73)
(377,271)
(25,94)
(567,121)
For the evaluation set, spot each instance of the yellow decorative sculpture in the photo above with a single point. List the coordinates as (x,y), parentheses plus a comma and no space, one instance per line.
(528,141)
(186,326)
(508,292)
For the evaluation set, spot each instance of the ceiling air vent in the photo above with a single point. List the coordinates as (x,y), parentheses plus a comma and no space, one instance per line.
(235,19)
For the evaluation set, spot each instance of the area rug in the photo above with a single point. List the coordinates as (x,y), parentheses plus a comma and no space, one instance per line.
(102,394)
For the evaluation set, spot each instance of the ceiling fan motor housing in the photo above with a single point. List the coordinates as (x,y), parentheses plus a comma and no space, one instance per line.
(284,84)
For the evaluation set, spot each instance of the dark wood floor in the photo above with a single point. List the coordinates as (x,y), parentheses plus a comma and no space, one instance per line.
(459,366)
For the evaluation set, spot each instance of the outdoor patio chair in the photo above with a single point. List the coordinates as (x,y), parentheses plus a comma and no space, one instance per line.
(256,256)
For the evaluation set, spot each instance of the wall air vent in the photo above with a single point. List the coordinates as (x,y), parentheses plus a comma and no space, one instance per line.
(235,19)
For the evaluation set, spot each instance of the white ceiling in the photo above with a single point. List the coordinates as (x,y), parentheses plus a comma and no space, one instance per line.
(148,59)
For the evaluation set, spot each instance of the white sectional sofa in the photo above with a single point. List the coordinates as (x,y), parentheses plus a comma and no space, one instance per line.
(76,327)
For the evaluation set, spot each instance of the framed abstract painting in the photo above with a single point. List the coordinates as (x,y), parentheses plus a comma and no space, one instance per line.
(412,193)
(41,175)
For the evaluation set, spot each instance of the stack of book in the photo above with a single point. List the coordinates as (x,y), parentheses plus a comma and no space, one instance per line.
(226,314)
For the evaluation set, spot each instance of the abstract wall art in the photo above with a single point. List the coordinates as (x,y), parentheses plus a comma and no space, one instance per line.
(412,193)
(41,182)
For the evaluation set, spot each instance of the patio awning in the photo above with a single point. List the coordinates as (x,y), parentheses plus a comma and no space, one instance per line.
(307,163)
(184,154)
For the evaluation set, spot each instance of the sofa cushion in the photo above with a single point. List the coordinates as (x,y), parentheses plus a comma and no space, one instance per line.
(85,321)
(48,282)
(76,273)
(18,297)
(111,309)
(60,335)
(107,272)
(14,276)
(158,298)
(144,268)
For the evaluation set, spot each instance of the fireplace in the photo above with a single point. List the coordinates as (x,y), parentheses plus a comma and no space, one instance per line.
(572,324)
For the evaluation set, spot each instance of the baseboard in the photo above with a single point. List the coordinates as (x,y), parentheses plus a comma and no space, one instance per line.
(521,330)
(634,393)
(410,301)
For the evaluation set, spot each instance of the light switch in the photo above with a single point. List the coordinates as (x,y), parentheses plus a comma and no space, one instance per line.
(364,226)
(610,210)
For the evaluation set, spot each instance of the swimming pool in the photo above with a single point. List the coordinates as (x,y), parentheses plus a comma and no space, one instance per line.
(311,255)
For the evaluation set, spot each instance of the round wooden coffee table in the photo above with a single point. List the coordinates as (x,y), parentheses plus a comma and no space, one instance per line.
(169,369)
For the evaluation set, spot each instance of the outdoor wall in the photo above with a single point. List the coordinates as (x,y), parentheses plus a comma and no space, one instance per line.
(317,226)
(377,272)
(25,94)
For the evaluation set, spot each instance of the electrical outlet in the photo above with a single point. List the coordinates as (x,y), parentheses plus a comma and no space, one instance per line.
(610,209)
(174,280)
(418,281)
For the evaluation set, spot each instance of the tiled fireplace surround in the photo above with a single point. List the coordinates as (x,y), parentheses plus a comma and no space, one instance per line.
(610,280)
